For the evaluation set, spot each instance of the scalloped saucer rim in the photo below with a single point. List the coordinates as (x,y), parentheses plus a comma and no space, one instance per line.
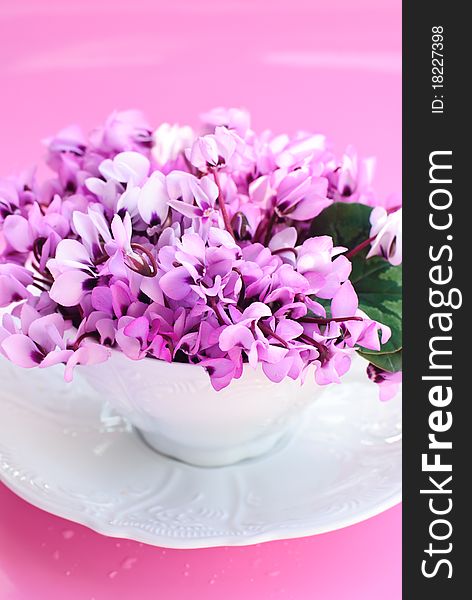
(342,467)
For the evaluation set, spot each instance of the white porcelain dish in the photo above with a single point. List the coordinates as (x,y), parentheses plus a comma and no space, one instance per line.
(66,452)
(178,412)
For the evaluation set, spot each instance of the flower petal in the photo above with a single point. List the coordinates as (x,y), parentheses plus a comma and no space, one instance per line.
(21,350)
(18,233)
(90,354)
(345,302)
(68,289)
(176,283)
(56,357)
(139,329)
(153,200)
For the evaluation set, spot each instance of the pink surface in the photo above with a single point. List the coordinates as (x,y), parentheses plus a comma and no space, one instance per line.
(44,558)
(333,67)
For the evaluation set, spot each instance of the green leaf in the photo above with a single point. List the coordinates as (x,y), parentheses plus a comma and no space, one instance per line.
(378,285)
(347,224)
(388,361)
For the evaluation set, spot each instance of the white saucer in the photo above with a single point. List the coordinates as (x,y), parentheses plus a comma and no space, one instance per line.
(62,452)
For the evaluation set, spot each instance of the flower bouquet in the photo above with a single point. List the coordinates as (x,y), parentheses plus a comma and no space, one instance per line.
(228,250)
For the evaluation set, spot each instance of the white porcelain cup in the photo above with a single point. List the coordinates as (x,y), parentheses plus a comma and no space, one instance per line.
(178,413)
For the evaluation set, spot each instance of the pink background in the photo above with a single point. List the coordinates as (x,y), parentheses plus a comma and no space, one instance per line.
(331,66)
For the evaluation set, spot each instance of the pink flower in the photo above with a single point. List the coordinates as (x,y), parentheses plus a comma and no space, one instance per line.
(389,383)
(184,248)
(296,195)
(194,270)
(153,202)
(42,344)
(170,141)
(201,208)
(14,281)
(137,339)
(232,118)
(301,196)
(305,150)
(352,180)
(125,167)
(123,130)
(222,371)
(363,332)
(224,148)
(387,230)
(315,262)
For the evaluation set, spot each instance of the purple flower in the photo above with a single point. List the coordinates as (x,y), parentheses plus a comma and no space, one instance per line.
(9,199)
(300,195)
(315,262)
(14,282)
(125,169)
(305,150)
(363,332)
(352,180)
(41,343)
(389,383)
(224,148)
(201,208)
(70,139)
(387,233)
(153,202)
(73,272)
(123,130)
(232,118)
(137,338)
(18,233)
(184,248)
(170,141)
(193,270)
(222,371)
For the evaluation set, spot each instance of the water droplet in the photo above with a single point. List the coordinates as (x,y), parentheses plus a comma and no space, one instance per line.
(187,565)
(68,534)
(67,573)
(100,449)
(118,545)
(128,562)
(186,573)
(273,573)
(56,555)
(112,574)
(212,581)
